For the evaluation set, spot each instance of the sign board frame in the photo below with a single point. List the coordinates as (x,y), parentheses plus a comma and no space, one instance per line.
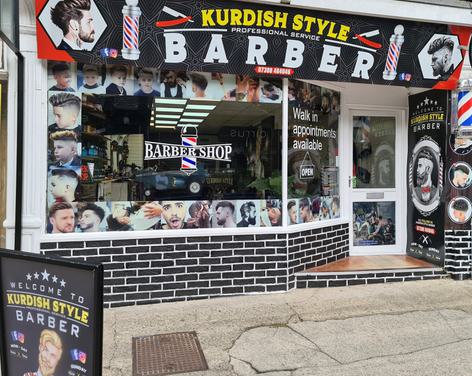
(96,304)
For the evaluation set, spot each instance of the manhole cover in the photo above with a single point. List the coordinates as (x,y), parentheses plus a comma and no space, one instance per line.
(166,354)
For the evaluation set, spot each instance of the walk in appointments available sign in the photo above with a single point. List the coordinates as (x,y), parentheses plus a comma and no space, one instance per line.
(50,317)
(254,39)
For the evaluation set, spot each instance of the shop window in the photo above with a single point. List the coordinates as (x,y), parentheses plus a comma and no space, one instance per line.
(137,149)
(313,189)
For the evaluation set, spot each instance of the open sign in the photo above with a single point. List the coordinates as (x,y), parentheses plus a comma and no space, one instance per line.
(307,172)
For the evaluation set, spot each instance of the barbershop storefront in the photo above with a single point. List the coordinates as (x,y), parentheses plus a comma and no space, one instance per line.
(213,148)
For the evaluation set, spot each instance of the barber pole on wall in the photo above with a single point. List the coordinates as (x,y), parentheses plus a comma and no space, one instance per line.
(131,14)
(396,42)
(464,108)
(189,139)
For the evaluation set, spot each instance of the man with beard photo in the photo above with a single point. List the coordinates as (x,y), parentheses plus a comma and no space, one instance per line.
(50,353)
(441,51)
(225,214)
(172,85)
(173,212)
(62,218)
(75,20)
(425,189)
(90,217)
(248,215)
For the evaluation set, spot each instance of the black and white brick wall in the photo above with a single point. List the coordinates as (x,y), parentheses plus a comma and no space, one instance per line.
(341,279)
(316,247)
(458,253)
(155,270)
(145,271)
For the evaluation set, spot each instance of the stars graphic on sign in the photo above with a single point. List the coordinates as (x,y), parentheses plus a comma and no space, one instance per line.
(45,275)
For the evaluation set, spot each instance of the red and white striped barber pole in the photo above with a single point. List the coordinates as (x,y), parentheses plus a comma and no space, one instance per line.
(393,56)
(189,139)
(131,13)
(463,98)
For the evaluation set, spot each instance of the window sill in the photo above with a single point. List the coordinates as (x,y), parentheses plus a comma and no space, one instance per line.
(120,235)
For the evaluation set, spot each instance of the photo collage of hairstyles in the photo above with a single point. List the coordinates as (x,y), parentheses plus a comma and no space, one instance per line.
(459,181)
(73,160)
(313,209)
(313,192)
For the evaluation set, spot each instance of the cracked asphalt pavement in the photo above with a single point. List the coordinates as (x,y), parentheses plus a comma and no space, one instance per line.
(413,328)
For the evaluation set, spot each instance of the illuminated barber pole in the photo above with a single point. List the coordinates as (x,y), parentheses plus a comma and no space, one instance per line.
(464,109)
(462,106)
(131,13)
(393,56)
(189,139)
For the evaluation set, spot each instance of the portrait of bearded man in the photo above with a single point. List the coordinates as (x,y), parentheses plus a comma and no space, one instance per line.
(425,189)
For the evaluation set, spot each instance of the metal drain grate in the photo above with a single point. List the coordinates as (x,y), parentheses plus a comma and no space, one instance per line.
(167,354)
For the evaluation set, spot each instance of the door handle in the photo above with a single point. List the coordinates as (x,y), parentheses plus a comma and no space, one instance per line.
(350,181)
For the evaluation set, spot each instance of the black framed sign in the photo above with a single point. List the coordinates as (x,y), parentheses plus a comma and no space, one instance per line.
(239,37)
(428,121)
(51,316)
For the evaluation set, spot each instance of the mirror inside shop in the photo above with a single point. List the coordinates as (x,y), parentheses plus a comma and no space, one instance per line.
(135,158)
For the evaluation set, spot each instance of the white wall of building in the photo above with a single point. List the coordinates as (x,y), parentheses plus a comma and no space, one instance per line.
(35,137)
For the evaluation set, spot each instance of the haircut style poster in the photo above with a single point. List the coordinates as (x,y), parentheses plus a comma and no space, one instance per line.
(51,316)
(242,38)
(458,173)
(428,120)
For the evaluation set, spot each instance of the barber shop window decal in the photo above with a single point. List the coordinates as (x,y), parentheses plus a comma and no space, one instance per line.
(425,175)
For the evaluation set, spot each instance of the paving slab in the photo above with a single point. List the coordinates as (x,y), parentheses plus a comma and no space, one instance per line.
(359,338)
(404,327)
(272,348)
(451,359)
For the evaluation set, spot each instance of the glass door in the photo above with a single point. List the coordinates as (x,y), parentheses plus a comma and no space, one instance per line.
(375,183)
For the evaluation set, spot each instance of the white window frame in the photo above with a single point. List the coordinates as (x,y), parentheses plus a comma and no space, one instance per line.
(284,229)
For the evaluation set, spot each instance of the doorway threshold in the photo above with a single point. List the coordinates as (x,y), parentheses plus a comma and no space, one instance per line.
(363,270)
(368,263)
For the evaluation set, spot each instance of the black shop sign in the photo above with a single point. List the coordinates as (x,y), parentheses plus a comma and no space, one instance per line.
(237,37)
(51,316)
(427,129)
